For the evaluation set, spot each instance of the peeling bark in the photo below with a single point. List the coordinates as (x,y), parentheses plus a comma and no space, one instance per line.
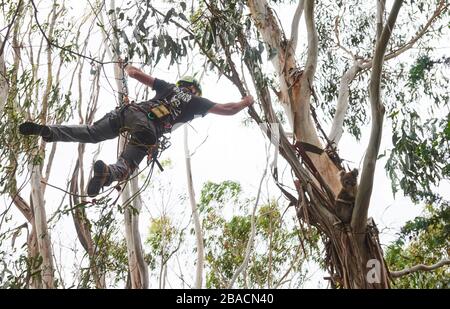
(295,85)
(348,254)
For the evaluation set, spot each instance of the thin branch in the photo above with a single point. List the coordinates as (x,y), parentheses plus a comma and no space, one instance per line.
(342,102)
(50,41)
(195,213)
(338,40)
(289,270)
(419,267)
(441,8)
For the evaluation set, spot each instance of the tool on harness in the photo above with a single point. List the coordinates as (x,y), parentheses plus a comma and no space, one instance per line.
(156,112)
(154,151)
(159,111)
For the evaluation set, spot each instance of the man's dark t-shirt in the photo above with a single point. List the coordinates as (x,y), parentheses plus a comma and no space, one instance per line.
(184,106)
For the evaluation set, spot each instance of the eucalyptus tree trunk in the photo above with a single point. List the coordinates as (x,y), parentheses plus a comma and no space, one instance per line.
(77,182)
(26,208)
(130,196)
(38,189)
(40,255)
(354,256)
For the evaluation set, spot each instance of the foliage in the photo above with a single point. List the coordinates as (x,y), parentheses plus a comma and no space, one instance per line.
(276,245)
(163,239)
(424,240)
(420,157)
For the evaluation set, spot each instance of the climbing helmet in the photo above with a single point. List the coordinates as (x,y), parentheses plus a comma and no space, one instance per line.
(190,81)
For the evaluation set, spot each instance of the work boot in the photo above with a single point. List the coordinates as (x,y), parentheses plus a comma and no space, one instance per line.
(31,128)
(101,178)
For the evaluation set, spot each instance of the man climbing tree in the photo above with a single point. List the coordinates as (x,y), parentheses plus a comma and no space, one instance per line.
(145,121)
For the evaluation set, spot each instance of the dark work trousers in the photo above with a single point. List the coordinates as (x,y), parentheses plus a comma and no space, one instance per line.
(142,130)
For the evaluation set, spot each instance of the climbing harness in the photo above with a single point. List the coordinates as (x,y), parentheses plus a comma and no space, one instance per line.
(157,112)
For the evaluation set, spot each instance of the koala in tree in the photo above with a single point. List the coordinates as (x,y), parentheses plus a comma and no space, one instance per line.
(345,200)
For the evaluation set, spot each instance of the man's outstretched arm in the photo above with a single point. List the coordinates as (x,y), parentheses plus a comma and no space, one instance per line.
(231,108)
(137,74)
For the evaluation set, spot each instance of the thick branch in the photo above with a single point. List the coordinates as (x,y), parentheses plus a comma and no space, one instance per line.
(439,10)
(342,102)
(359,218)
(304,130)
(420,267)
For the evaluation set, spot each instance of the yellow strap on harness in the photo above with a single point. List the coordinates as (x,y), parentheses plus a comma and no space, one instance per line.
(160,111)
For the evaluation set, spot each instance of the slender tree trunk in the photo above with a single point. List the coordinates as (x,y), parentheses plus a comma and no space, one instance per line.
(42,233)
(137,266)
(195,214)
(83,225)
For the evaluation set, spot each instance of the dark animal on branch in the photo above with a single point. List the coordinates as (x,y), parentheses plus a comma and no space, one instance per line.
(345,200)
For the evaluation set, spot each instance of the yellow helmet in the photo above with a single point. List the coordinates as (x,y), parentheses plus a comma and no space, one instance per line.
(190,81)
